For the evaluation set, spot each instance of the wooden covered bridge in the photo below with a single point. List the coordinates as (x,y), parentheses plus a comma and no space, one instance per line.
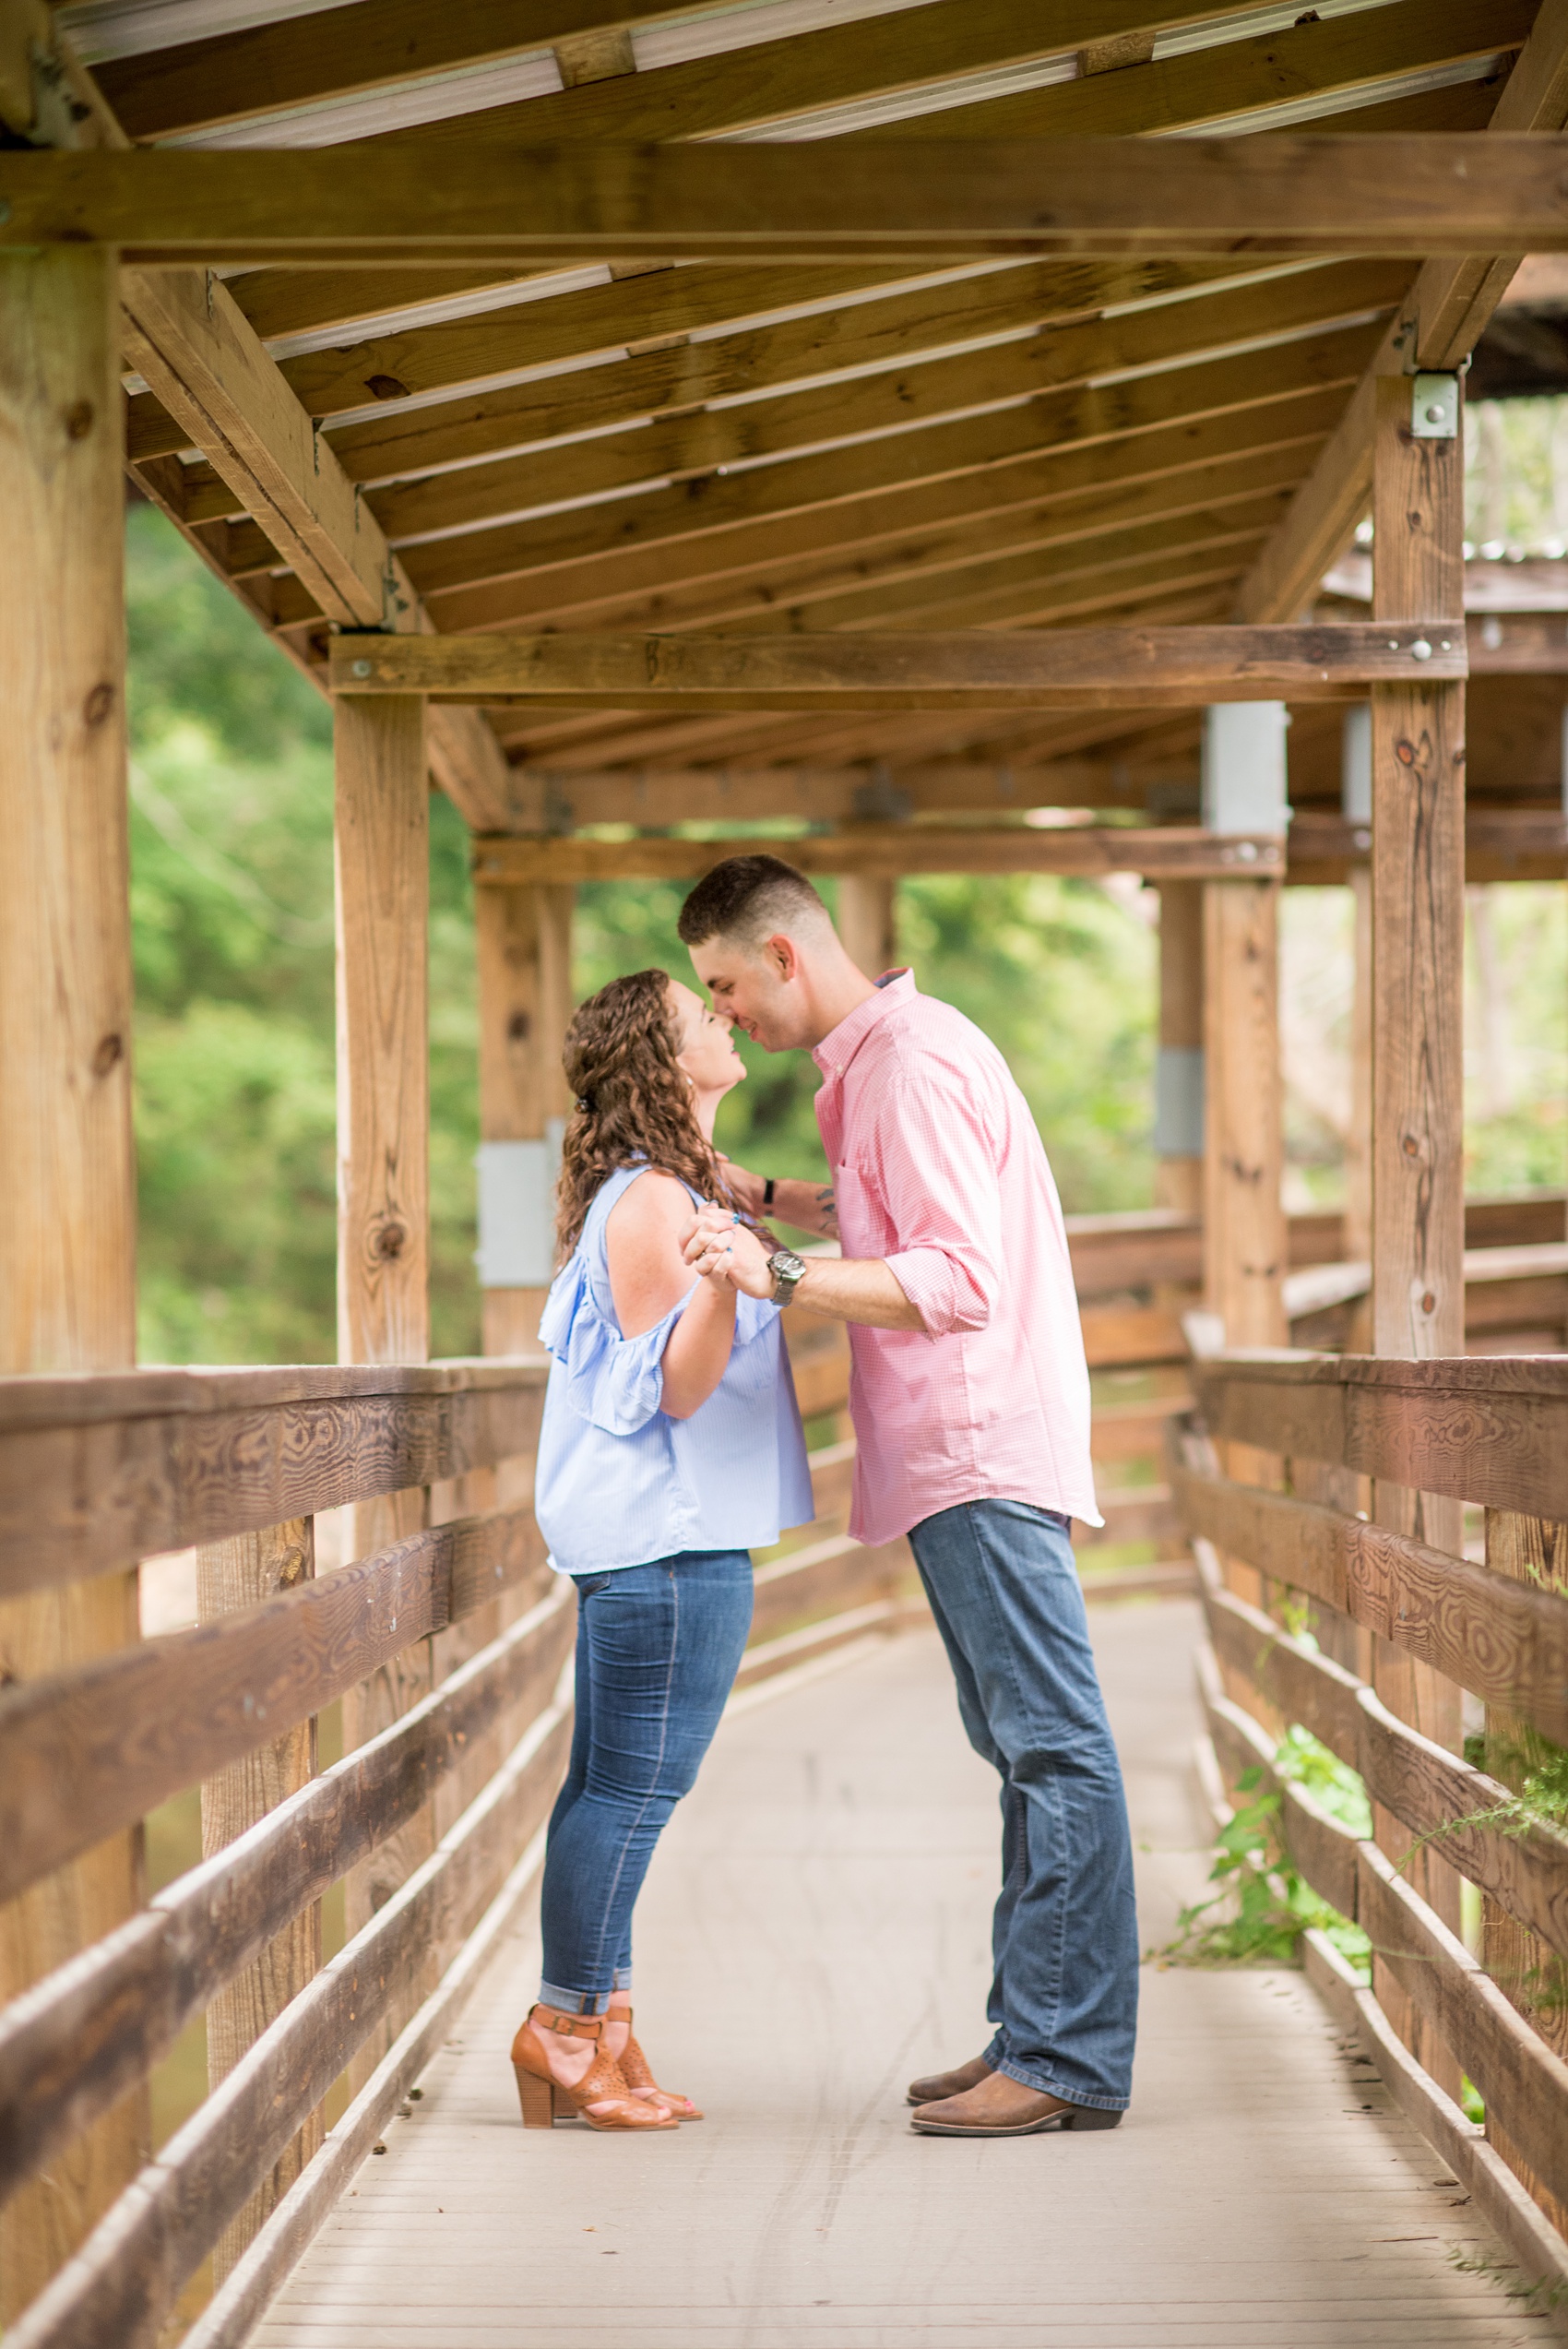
(966,490)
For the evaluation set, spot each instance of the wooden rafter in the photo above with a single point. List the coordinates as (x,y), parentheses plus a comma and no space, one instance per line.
(890,851)
(936,200)
(1061,669)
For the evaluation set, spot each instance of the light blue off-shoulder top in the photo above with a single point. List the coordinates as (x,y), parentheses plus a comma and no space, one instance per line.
(618,1483)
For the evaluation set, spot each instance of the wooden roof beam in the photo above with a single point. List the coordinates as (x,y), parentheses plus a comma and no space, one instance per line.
(1057,669)
(891,852)
(1438,325)
(194,346)
(937,200)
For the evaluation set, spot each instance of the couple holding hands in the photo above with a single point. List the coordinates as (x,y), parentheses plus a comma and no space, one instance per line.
(671,1448)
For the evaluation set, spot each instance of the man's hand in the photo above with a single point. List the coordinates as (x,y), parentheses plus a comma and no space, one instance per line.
(716,1244)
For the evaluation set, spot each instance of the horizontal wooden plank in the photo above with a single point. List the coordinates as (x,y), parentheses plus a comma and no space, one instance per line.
(1167,1579)
(87,1751)
(1434,1793)
(1297,1681)
(77,2041)
(1131,1431)
(1065,668)
(1132,1336)
(891,851)
(832,1473)
(98,1472)
(1524,2084)
(1504,1640)
(1489,1430)
(826,1578)
(1134,1513)
(115,2292)
(947,200)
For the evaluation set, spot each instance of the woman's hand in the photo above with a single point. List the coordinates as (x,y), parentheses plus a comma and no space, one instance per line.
(720,1247)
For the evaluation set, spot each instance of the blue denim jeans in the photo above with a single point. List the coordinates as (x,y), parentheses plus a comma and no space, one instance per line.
(1008,1603)
(658,1649)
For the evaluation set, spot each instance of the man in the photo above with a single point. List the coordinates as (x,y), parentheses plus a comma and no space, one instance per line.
(970,1401)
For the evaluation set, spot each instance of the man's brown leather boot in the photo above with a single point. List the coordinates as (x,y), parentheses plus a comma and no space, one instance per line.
(998,2106)
(938,2085)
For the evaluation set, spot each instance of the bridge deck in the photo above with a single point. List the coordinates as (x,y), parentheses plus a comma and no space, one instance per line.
(815,1931)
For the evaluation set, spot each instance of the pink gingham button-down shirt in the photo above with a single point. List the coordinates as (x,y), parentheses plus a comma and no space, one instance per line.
(938,1169)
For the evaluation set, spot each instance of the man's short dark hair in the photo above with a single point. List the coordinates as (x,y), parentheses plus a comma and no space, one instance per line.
(748,898)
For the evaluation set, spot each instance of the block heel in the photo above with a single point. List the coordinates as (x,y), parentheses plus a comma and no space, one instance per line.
(537,2099)
(600,2097)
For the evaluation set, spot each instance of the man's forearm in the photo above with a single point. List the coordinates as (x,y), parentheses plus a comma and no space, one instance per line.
(807,1207)
(861,1289)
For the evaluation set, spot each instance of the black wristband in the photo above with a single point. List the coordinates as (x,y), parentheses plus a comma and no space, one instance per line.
(767,1195)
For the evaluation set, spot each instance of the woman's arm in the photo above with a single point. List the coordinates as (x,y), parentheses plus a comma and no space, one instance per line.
(648,1274)
(805,1207)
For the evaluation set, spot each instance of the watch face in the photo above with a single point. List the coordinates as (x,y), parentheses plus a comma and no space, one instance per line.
(787,1265)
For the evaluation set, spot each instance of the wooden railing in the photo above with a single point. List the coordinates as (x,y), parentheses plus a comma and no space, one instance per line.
(1493,1433)
(98,1473)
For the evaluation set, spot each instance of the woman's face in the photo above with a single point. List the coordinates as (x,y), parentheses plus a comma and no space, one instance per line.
(706,1053)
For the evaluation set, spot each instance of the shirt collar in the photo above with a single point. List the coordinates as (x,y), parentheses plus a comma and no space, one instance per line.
(840,1044)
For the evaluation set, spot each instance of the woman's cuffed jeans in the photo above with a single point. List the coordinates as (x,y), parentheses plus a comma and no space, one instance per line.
(1004,1590)
(658,1649)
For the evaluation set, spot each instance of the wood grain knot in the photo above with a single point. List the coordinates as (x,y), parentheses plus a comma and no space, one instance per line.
(388,1241)
(79,419)
(519,1028)
(1429,1301)
(385,388)
(99,704)
(109,1049)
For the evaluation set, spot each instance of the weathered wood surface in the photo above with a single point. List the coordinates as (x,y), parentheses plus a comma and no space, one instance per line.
(117,2291)
(1522,2081)
(523,947)
(1507,1640)
(73,2046)
(873,852)
(67,1169)
(824,1578)
(1297,1682)
(845,1824)
(231,1575)
(1245,1236)
(98,1472)
(88,1751)
(982,668)
(1488,1430)
(941,200)
(1322,1849)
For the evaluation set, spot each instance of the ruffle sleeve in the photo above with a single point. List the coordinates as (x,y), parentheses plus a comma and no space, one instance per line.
(615,1383)
(753,1317)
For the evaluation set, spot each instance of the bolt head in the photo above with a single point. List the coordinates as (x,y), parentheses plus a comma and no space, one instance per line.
(360,669)
(1420,649)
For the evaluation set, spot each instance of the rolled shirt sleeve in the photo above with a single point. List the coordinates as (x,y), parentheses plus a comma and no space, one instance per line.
(936,1171)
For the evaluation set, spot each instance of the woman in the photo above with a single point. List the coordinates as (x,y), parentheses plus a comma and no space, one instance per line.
(670,1447)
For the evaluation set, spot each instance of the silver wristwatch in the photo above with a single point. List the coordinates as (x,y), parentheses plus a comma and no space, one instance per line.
(788,1271)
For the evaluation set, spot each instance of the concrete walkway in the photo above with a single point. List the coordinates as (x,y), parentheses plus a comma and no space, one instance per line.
(815,1931)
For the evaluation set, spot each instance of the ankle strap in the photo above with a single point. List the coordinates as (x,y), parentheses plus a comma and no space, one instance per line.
(568,2026)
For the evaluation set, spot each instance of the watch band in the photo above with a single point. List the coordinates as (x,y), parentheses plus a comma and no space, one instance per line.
(767,1189)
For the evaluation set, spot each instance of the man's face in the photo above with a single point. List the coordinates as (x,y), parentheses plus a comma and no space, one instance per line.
(756,987)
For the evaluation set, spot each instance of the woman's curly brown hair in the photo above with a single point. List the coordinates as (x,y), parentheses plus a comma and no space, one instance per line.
(632,1101)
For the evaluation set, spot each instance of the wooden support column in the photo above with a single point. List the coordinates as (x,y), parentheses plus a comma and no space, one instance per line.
(525,1004)
(1356,805)
(1179,1071)
(383,897)
(67,1183)
(229,1576)
(1418,951)
(868,922)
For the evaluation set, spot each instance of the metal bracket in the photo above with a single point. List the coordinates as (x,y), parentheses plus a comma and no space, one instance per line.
(1434,407)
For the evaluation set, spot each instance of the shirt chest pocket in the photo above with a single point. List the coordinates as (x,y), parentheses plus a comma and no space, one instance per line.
(864,1227)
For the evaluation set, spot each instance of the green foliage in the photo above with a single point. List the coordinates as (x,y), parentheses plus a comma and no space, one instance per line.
(1264,1905)
(1333,1784)
(231,933)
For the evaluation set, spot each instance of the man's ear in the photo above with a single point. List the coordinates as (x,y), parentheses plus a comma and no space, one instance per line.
(783,954)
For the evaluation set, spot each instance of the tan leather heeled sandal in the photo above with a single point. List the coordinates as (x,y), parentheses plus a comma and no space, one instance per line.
(602,2097)
(637,2073)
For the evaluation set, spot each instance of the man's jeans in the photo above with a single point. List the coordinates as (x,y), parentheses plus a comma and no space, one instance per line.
(1008,1603)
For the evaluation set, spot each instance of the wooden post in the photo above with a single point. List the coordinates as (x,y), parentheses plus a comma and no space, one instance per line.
(1244,1232)
(231,1575)
(68,1185)
(1179,1071)
(1418,951)
(383,897)
(1356,805)
(525,1004)
(868,922)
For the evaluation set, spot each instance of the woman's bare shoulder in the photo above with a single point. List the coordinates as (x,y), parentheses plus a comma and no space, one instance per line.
(655,1202)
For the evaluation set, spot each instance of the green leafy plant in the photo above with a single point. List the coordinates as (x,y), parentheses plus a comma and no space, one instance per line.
(1264,1905)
